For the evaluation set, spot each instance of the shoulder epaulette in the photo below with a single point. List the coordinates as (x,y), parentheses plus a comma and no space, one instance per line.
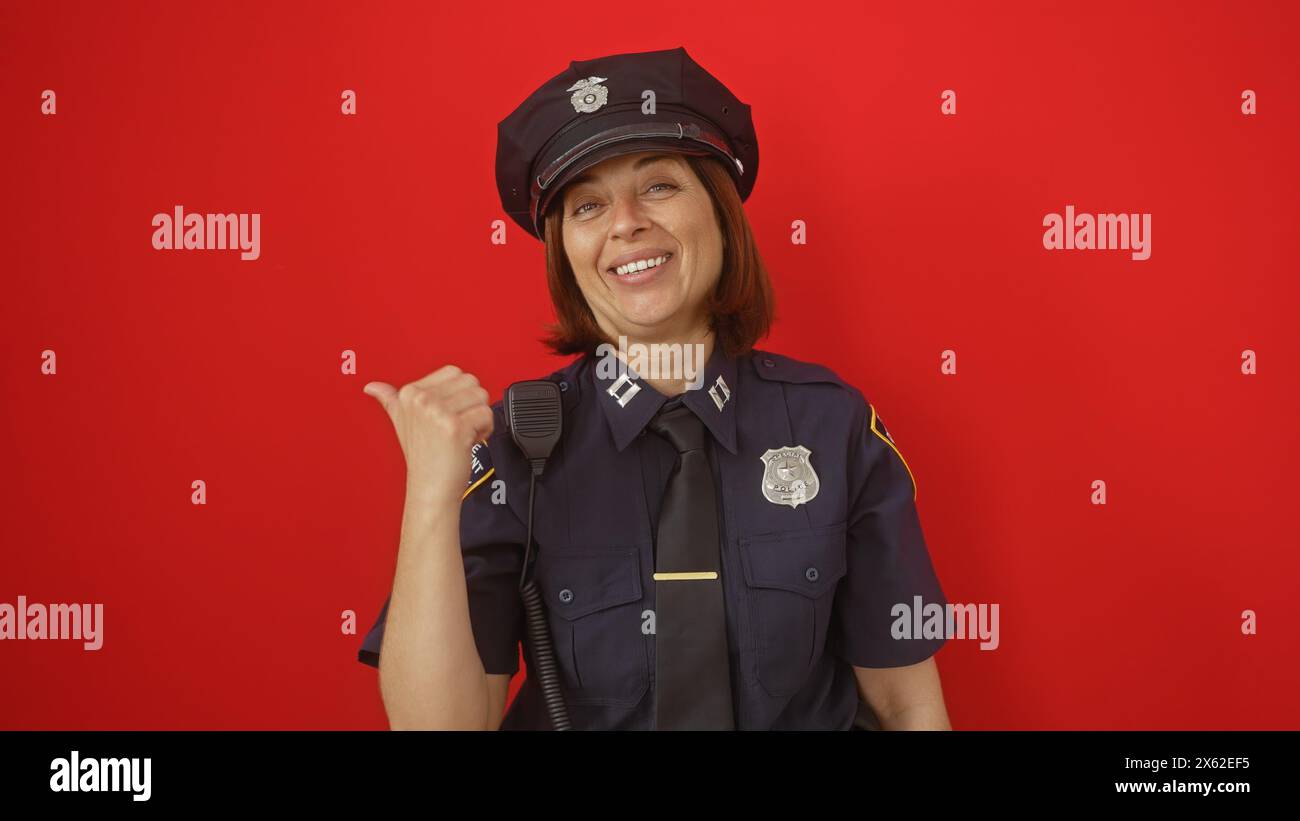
(777,368)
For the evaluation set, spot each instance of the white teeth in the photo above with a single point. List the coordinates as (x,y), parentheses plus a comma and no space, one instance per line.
(641,265)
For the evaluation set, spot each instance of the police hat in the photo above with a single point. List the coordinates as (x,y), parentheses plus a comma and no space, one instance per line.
(593,111)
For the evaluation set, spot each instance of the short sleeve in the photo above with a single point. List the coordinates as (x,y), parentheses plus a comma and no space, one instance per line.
(883,614)
(491,542)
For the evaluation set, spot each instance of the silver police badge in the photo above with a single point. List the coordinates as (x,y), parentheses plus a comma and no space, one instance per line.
(588,94)
(788,476)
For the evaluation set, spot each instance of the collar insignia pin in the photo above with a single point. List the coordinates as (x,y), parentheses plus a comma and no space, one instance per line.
(726,393)
(632,390)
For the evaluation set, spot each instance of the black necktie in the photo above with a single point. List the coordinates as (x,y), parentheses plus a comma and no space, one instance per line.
(692,671)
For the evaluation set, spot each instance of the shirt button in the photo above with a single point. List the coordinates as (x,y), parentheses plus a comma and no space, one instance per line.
(566,595)
(767,363)
(564,386)
(811,574)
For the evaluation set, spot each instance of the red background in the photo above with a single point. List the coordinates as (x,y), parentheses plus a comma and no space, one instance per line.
(925,234)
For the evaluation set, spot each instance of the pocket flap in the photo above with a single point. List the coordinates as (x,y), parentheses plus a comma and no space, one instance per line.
(577,583)
(809,561)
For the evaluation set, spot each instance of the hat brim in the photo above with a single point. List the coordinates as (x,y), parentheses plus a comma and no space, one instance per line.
(679,137)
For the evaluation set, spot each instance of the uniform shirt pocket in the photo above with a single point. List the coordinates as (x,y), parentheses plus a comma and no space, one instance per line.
(593,604)
(792,577)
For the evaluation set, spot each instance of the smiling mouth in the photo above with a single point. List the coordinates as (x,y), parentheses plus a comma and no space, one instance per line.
(640,265)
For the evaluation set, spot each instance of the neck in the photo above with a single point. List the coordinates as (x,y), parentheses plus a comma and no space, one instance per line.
(686,370)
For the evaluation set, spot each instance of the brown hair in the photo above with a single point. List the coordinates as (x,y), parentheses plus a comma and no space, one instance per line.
(741,306)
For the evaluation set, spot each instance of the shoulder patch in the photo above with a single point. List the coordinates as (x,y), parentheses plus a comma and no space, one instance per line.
(879,429)
(777,368)
(480,466)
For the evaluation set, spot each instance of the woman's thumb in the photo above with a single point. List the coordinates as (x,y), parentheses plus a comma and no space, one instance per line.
(384,392)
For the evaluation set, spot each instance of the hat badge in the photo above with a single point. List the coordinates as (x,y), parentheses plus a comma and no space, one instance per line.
(588,95)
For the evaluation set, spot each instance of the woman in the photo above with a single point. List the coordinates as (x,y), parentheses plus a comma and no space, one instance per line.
(717,547)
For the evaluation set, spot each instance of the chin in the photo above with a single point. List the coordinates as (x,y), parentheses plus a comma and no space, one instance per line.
(646,316)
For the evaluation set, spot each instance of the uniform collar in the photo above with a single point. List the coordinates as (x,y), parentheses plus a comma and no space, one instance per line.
(630,403)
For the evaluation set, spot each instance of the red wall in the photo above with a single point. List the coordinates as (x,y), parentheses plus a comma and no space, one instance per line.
(924,234)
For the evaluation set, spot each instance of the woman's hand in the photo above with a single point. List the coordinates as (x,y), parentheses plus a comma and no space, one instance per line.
(437,419)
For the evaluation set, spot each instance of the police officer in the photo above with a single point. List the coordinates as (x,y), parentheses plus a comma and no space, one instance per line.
(724,543)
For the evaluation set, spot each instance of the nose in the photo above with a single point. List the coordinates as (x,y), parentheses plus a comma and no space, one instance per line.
(628,216)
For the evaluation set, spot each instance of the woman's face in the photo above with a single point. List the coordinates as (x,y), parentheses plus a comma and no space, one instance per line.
(638,207)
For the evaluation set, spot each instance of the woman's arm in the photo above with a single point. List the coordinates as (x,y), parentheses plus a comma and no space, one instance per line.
(430,673)
(904,698)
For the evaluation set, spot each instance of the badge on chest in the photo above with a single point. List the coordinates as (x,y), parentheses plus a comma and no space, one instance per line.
(788,476)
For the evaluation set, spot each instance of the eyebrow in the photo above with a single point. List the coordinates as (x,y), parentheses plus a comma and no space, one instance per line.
(637,166)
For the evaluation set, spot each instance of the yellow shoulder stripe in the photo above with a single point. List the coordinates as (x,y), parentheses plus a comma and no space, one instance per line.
(885,439)
(480,481)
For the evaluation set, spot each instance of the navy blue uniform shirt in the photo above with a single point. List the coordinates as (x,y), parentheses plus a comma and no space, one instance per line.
(809,587)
